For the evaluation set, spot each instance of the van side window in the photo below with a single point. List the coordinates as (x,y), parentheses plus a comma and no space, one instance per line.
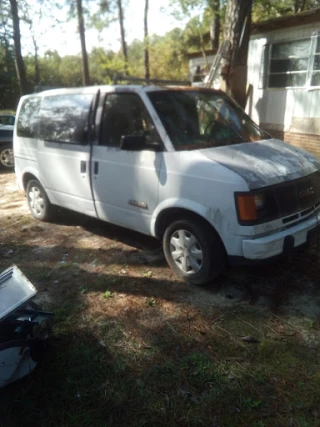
(65,118)
(125,114)
(28,117)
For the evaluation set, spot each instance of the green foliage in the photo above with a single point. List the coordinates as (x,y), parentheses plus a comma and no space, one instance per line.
(168,56)
(104,65)
(196,35)
(9,88)
(150,302)
(55,71)
(188,8)
(168,53)
(108,294)
(268,9)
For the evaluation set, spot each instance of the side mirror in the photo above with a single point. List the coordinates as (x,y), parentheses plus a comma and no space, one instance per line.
(138,143)
(133,142)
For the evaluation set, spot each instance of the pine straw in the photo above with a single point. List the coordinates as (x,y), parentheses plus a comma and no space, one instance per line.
(135,346)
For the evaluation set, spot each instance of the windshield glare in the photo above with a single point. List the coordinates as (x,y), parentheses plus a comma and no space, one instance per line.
(203,119)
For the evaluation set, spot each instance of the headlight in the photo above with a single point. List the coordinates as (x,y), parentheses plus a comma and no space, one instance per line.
(259,200)
(255,207)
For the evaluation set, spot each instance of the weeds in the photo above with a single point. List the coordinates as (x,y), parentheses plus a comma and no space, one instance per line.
(108,294)
(90,378)
(133,346)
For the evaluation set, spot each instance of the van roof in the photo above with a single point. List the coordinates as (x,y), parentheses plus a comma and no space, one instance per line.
(119,88)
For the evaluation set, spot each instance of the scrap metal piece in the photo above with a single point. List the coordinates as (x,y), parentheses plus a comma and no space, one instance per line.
(23,327)
(15,290)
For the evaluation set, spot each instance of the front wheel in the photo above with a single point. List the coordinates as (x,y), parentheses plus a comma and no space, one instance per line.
(194,251)
(39,204)
(6,156)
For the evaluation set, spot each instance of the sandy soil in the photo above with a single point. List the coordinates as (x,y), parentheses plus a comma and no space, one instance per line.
(62,255)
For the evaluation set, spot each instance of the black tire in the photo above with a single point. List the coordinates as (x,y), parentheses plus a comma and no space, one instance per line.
(194,250)
(6,156)
(38,202)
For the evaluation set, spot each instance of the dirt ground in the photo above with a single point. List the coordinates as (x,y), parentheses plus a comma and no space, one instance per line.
(62,256)
(133,345)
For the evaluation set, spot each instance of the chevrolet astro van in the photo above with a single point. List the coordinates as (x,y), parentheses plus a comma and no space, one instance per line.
(185,165)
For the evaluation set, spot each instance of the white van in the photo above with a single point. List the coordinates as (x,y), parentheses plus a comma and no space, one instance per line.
(186,165)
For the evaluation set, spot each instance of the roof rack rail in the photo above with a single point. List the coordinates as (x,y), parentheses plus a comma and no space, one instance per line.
(132,79)
(38,89)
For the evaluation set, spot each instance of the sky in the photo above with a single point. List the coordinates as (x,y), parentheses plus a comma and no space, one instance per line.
(65,38)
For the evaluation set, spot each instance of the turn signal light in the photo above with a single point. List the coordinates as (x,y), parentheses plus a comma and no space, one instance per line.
(247,209)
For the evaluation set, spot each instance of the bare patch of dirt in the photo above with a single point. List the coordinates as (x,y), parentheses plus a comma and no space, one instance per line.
(134,345)
(104,267)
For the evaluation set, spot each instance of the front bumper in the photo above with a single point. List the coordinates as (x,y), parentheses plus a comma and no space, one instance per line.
(281,242)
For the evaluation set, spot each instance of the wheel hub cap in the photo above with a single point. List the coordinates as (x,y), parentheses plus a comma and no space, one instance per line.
(7,157)
(36,200)
(186,251)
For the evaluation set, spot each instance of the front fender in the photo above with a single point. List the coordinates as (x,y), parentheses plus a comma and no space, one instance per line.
(172,203)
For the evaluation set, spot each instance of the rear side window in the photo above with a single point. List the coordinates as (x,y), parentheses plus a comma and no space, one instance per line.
(65,118)
(28,116)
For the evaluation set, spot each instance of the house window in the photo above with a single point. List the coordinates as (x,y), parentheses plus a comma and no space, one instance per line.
(295,63)
(315,75)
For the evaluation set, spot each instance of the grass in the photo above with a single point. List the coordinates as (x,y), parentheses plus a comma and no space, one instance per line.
(131,347)
(101,371)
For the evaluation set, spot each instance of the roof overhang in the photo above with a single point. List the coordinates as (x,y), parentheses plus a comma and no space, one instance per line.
(298,19)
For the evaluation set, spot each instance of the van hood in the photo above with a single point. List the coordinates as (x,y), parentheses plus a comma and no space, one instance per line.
(266,162)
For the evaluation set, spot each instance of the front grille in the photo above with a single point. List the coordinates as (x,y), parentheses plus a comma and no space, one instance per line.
(299,195)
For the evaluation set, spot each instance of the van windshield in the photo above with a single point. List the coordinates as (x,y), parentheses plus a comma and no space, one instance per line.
(196,119)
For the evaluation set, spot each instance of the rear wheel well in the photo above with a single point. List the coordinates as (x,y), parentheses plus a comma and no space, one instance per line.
(168,216)
(26,178)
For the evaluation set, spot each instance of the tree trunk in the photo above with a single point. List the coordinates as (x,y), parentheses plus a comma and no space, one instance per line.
(123,40)
(20,67)
(299,5)
(85,66)
(215,24)
(146,41)
(36,61)
(237,31)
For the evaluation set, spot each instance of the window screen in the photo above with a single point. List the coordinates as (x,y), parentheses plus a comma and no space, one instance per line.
(289,64)
(295,63)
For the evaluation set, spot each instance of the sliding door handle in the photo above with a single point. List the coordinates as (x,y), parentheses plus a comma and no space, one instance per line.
(96,168)
(83,166)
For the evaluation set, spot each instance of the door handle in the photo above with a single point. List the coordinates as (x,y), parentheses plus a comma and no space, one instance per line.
(83,166)
(96,168)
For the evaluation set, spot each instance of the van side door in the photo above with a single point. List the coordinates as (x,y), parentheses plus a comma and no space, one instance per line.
(64,150)
(126,182)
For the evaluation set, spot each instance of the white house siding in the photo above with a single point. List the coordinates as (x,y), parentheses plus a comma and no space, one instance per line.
(293,110)
(204,65)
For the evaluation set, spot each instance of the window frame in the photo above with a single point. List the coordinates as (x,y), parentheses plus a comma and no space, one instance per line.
(85,141)
(103,107)
(314,39)
(32,133)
